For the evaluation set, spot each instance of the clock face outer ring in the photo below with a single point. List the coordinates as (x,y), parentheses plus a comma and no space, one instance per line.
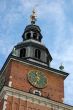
(37,79)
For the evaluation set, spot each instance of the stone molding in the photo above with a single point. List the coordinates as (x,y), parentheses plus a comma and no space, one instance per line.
(34,99)
(26,63)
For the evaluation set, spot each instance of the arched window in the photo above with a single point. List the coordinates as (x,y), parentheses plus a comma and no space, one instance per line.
(37,53)
(35,36)
(28,35)
(22,52)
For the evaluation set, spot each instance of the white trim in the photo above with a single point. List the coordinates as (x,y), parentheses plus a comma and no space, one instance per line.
(10,83)
(31,40)
(5,97)
(37,61)
(4,105)
(5,102)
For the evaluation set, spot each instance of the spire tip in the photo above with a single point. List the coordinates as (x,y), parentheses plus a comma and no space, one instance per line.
(33,17)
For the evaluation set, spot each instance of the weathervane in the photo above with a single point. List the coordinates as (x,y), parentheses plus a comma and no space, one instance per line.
(33,17)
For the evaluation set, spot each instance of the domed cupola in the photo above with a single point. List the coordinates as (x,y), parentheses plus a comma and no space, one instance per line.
(31,48)
(32,31)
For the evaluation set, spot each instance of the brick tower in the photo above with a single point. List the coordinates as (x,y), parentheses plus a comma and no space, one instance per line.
(27,82)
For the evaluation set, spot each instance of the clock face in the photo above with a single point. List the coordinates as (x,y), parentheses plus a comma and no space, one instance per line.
(37,79)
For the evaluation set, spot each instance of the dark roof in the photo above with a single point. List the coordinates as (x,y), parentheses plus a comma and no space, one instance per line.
(32,27)
(33,63)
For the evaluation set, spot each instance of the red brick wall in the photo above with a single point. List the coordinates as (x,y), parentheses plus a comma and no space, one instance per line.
(54,89)
(1,104)
(7,73)
(17,104)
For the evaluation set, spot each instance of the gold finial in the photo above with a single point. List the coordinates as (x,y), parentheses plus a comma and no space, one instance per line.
(33,17)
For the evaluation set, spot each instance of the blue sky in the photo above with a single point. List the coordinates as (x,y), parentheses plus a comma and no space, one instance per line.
(55,18)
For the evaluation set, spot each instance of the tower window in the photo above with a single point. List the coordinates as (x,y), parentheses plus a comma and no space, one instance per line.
(36,92)
(37,53)
(23,52)
(34,35)
(28,35)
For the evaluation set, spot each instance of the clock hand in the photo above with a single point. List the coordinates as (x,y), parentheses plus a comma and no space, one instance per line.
(37,80)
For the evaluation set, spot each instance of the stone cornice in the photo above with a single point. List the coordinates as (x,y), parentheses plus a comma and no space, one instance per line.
(33,98)
(11,57)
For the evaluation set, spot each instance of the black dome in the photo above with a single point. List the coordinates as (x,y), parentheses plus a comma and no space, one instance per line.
(32,27)
(32,32)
